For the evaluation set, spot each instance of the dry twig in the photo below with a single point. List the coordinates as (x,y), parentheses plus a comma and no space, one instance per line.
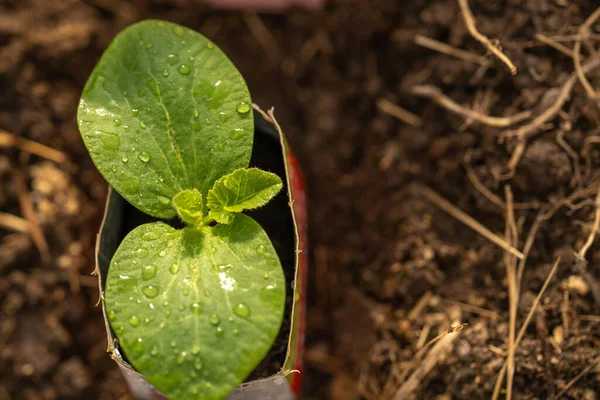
(536,302)
(445,48)
(466,219)
(553,43)
(435,94)
(396,111)
(532,127)
(36,232)
(470,23)
(444,340)
(577,378)
(9,140)
(510,262)
(13,223)
(584,32)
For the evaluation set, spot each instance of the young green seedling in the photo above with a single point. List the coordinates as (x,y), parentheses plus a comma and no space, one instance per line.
(167,120)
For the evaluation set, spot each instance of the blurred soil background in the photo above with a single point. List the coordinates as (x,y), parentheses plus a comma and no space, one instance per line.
(383,101)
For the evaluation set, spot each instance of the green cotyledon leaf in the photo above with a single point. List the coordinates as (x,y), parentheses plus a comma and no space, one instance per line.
(197,318)
(163,111)
(243,189)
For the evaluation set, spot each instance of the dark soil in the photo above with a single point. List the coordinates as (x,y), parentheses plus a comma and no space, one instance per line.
(390,270)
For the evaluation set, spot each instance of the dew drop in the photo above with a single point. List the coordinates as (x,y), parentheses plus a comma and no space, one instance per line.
(148,45)
(167,313)
(241,310)
(144,157)
(162,253)
(235,331)
(184,69)
(191,58)
(149,271)
(195,350)
(150,291)
(112,315)
(164,200)
(223,117)
(124,158)
(172,59)
(166,303)
(150,235)
(243,108)
(117,122)
(135,112)
(237,133)
(165,72)
(154,351)
(214,319)
(181,357)
(197,364)
(113,168)
(118,330)
(177,30)
(181,307)
(174,269)
(186,291)
(219,332)
(196,127)
(196,308)
(267,275)
(210,46)
(142,125)
(173,343)
(141,252)
(134,321)
(207,293)
(196,113)
(260,249)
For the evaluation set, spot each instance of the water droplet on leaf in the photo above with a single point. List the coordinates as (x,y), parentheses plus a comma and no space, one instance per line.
(174,269)
(241,310)
(134,321)
(149,271)
(112,315)
(144,157)
(214,319)
(184,69)
(243,108)
(150,291)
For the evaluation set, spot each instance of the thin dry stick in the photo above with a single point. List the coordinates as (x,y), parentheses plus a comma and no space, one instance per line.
(445,48)
(536,302)
(466,219)
(577,378)
(470,23)
(435,94)
(487,193)
(550,112)
(262,34)
(36,232)
(527,248)
(13,223)
(552,43)
(584,32)
(560,139)
(9,140)
(513,295)
(396,111)
(442,346)
(590,240)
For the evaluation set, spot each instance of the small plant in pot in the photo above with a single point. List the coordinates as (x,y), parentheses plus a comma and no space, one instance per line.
(195,292)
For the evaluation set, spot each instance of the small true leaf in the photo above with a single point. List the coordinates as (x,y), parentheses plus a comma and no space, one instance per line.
(243,189)
(196,319)
(189,206)
(165,110)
